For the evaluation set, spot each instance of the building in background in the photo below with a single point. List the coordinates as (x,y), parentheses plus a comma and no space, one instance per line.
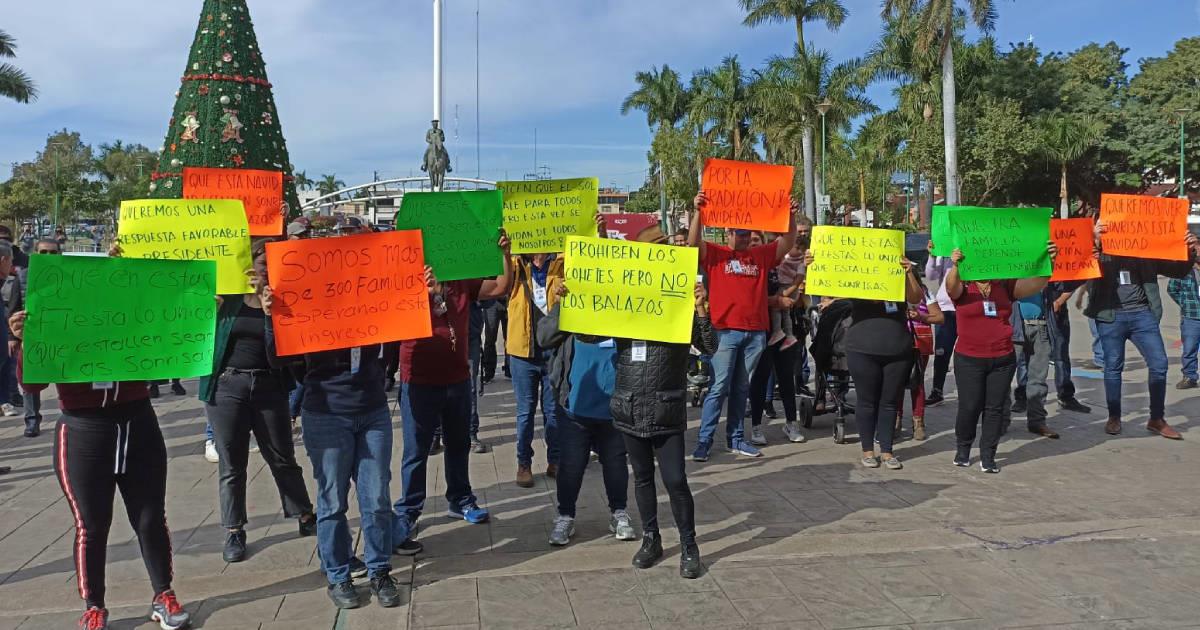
(613,200)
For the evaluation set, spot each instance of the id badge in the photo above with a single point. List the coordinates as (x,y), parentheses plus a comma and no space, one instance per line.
(736,266)
(355,360)
(1125,278)
(539,297)
(890,307)
(102,386)
(639,351)
(989,308)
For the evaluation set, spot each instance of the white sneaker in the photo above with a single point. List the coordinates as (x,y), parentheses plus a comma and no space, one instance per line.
(757,438)
(621,526)
(253,444)
(210,452)
(793,433)
(9,410)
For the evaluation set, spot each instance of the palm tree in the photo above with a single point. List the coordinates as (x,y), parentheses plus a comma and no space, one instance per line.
(660,94)
(1065,139)
(759,12)
(303,182)
(329,184)
(721,105)
(14,83)
(871,152)
(937,19)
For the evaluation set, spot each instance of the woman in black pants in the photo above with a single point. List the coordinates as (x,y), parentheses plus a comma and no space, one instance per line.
(879,354)
(243,395)
(108,438)
(984,359)
(783,363)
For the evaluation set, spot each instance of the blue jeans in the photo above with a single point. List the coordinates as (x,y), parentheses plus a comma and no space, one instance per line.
(578,438)
(1097,344)
(424,408)
(1140,327)
(527,376)
(736,357)
(208,432)
(296,399)
(341,448)
(1189,329)
(1059,326)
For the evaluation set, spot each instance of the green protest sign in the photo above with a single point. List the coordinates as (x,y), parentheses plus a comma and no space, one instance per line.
(118,319)
(459,230)
(1002,243)
(939,232)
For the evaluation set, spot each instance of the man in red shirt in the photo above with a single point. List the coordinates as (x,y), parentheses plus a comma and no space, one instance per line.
(436,392)
(737,289)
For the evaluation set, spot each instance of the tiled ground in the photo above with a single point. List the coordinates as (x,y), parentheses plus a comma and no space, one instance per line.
(1085,532)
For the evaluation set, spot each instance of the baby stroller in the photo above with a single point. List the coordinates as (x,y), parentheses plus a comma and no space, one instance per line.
(699,377)
(833,380)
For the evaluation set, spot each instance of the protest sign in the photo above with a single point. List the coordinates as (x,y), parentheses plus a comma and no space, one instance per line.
(1075,260)
(118,319)
(625,227)
(539,215)
(1144,227)
(939,230)
(851,262)
(747,196)
(459,231)
(190,229)
(1002,243)
(261,194)
(629,289)
(348,291)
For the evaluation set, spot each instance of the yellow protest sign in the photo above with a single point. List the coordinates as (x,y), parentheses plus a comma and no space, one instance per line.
(539,215)
(851,262)
(190,229)
(629,289)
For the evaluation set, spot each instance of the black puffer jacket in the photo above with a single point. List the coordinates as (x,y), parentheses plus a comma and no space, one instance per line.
(650,397)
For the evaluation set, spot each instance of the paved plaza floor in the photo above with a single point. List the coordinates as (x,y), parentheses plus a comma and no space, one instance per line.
(1086,532)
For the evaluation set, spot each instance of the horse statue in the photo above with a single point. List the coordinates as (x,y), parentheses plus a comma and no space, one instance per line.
(437,160)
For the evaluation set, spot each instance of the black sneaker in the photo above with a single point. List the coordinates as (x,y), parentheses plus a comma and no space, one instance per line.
(689,562)
(934,399)
(1073,404)
(307,527)
(990,467)
(177,389)
(650,553)
(358,568)
(962,458)
(477,446)
(154,393)
(344,595)
(386,593)
(408,548)
(769,409)
(235,546)
(1020,405)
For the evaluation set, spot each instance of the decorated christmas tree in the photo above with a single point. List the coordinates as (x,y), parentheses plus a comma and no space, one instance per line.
(225,114)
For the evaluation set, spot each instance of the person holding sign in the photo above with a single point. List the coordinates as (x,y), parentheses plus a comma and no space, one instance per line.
(107,439)
(737,278)
(985,358)
(244,395)
(1186,293)
(435,393)
(1126,305)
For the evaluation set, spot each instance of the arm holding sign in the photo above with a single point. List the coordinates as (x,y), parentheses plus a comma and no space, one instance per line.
(954,285)
(1027,287)
(787,241)
(696,229)
(914,291)
(500,286)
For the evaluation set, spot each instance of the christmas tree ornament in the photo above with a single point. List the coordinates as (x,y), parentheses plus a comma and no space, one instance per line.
(191,123)
(233,126)
(225,100)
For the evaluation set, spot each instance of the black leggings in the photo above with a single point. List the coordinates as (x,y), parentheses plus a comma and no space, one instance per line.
(879,383)
(669,450)
(784,364)
(982,391)
(96,452)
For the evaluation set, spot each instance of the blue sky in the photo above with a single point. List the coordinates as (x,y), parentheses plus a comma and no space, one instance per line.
(353,77)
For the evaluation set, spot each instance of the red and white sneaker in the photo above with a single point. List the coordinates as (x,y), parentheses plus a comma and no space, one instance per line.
(165,609)
(94,619)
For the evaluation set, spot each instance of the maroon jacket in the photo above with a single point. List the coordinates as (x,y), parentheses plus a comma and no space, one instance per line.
(81,396)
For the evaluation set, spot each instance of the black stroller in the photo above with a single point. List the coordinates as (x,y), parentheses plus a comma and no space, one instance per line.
(832,371)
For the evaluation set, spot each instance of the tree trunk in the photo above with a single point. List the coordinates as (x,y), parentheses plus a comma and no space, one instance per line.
(810,190)
(800,37)
(1064,209)
(862,199)
(737,143)
(949,122)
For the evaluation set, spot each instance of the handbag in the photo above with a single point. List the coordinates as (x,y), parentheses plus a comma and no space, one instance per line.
(922,333)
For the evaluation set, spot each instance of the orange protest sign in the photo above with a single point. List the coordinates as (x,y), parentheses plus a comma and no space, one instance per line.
(747,196)
(1144,227)
(1075,260)
(348,291)
(261,192)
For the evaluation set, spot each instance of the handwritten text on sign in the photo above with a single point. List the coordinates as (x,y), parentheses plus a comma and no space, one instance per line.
(348,291)
(1144,227)
(1075,260)
(190,229)
(539,215)
(861,263)
(1002,243)
(261,192)
(118,319)
(460,231)
(629,289)
(748,196)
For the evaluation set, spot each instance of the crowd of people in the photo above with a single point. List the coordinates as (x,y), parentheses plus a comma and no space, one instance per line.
(756,334)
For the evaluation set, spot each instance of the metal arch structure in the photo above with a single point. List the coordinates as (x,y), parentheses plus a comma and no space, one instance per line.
(387,189)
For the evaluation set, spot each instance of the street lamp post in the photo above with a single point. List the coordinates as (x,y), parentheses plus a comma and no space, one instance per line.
(1182,113)
(57,193)
(823,108)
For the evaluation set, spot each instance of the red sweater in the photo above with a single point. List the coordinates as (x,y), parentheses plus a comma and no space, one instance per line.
(81,396)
